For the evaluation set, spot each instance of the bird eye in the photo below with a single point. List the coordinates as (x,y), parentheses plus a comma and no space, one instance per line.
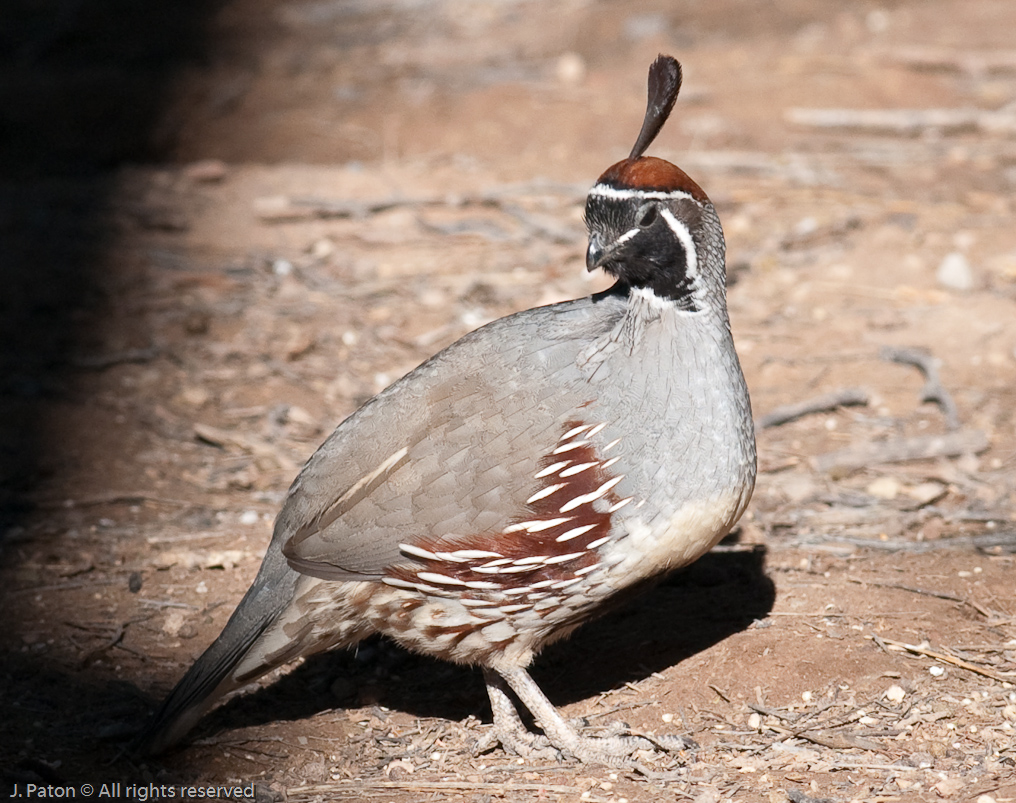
(647,216)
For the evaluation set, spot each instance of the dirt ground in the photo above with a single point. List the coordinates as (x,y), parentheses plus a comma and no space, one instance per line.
(212,258)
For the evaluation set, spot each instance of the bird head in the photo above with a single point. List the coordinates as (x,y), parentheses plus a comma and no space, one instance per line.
(650,226)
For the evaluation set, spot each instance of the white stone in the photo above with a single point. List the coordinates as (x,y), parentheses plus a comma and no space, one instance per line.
(955,272)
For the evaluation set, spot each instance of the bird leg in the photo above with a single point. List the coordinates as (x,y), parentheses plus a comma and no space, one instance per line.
(509,730)
(613,751)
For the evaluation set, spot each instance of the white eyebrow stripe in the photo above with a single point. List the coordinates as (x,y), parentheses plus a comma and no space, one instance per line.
(604,191)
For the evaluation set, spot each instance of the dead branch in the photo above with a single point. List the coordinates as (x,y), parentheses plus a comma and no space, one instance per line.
(980,542)
(905,122)
(933,390)
(100,362)
(847,397)
(251,444)
(1001,677)
(934,58)
(837,741)
(922,447)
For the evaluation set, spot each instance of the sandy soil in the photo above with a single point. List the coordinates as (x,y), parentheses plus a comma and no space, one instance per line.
(319,195)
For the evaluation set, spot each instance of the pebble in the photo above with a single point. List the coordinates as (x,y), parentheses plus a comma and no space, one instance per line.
(955,272)
(895,694)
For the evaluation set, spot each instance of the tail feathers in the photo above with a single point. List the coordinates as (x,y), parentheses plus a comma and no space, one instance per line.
(215,672)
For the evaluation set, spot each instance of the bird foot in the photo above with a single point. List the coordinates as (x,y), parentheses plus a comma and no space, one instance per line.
(616,746)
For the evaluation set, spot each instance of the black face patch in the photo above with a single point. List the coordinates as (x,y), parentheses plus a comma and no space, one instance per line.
(640,249)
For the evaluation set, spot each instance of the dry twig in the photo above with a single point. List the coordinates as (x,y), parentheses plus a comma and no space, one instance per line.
(847,397)
(933,390)
(869,453)
(1006,677)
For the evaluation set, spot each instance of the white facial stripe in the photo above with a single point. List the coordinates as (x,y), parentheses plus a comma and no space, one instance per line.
(603,191)
(682,233)
(626,237)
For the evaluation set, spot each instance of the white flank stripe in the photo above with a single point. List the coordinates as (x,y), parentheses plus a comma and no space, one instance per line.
(567,447)
(537,526)
(513,608)
(577,469)
(393,581)
(609,463)
(598,542)
(486,570)
(575,532)
(451,557)
(566,583)
(564,558)
(592,495)
(475,554)
(440,579)
(546,492)
(416,552)
(587,569)
(612,444)
(517,569)
(482,585)
(571,433)
(595,430)
(530,560)
(551,469)
(493,563)
(619,505)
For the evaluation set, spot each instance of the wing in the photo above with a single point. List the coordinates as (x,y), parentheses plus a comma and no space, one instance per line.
(450,451)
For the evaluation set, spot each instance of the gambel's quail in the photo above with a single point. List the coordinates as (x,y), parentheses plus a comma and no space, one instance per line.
(521,480)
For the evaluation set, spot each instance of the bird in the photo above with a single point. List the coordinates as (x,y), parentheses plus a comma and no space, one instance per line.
(523,480)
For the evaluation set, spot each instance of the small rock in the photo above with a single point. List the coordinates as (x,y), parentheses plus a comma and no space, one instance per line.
(570,69)
(936,671)
(249,517)
(948,787)
(955,272)
(895,694)
(174,621)
(884,488)
(206,170)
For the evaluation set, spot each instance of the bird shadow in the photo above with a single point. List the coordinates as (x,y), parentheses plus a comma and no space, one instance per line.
(721,594)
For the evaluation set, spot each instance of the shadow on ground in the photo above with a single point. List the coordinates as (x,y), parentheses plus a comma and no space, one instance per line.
(721,594)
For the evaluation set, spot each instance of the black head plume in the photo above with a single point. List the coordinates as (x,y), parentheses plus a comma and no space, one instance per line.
(664,84)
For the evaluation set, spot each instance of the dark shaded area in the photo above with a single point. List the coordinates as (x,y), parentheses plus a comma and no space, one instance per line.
(721,594)
(82,86)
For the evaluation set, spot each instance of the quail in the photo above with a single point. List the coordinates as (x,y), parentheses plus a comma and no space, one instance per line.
(522,480)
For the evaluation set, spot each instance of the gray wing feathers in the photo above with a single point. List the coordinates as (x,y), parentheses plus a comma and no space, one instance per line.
(442,453)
